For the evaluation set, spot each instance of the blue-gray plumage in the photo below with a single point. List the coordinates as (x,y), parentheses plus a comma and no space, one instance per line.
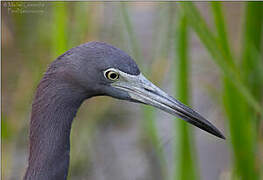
(91,69)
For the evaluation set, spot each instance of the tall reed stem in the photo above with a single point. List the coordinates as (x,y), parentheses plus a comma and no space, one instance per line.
(184,153)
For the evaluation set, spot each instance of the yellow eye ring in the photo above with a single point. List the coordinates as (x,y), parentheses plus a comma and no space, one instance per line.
(112,75)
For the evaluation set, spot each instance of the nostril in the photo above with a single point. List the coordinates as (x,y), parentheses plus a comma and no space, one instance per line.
(149,90)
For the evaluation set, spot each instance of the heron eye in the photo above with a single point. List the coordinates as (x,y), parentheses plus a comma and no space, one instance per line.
(112,75)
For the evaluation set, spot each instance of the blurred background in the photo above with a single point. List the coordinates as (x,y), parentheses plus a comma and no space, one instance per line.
(207,55)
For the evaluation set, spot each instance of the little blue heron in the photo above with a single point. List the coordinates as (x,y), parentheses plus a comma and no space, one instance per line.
(91,69)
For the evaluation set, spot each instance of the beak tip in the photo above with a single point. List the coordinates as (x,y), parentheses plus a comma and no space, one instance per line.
(219,134)
(222,136)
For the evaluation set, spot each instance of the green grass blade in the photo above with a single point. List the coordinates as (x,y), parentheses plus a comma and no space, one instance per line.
(184,153)
(242,132)
(222,37)
(252,41)
(239,123)
(59,39)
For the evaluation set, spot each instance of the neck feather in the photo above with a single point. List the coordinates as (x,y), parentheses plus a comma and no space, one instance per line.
(54,107)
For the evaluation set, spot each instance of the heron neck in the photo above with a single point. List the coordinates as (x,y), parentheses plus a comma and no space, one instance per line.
(54,107)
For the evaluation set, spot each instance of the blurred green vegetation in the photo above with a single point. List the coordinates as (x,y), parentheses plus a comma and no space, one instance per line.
(30,41)
(242,102)
(185,151)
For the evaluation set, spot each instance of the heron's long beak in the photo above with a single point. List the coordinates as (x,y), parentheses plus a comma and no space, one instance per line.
(142,90)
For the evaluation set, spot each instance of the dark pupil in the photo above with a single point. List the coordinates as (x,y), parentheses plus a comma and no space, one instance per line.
(113,75)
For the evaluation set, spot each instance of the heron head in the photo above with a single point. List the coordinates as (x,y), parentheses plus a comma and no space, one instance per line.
(101,69)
